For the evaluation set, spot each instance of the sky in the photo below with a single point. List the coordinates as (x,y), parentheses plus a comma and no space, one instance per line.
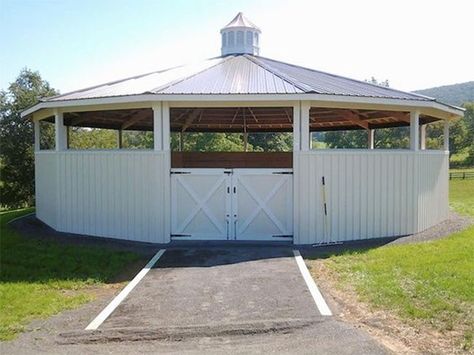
(414,44)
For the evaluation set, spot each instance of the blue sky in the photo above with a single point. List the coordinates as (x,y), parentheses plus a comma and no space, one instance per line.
(412,43)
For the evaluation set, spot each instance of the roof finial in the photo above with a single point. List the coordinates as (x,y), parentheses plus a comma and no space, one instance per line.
(240,36)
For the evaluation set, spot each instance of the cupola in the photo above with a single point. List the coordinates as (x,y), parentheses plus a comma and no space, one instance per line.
(240,36)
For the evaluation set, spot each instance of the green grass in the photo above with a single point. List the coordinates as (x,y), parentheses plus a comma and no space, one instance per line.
(428,283)
(40,278)
(461,196)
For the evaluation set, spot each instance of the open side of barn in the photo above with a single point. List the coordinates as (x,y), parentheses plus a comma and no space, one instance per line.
(303,196)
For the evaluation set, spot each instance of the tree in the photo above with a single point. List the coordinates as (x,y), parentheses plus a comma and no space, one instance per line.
(16,138)
(271,142)
(345,139)
(469,121)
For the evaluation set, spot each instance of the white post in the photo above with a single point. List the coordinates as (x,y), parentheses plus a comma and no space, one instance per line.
(157,127)
(371,140)
(119,138)
(296,128)
(60,131)
(165,109)
(246,141)
(181,143)
(414,130)
(423,137)
(36,127)
(305,106)
(446,136)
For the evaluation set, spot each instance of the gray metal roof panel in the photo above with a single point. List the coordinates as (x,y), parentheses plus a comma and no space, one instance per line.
(325,83)
(140,84)
(238,74)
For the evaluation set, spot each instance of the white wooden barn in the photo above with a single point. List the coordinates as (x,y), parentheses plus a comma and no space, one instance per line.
(307,196)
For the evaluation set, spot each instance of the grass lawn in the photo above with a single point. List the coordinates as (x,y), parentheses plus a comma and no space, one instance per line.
(40,278)
(425,284)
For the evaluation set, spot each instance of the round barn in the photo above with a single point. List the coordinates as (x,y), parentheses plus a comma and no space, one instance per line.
(302,196)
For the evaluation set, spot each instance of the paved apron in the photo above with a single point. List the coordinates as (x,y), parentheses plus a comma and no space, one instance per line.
(217,287)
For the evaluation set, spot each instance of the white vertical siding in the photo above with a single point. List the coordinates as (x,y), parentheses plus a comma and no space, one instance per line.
(46,194)
(115,194)
(433,189)
(369,194)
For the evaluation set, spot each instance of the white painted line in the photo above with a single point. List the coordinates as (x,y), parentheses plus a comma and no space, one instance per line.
(121,296)
(313,289)
(18,218)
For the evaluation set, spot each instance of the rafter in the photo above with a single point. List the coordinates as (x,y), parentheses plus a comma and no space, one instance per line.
(355,119)
(189,120)
(137,116)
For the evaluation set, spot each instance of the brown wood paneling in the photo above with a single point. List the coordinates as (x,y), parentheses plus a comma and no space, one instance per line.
(231,159)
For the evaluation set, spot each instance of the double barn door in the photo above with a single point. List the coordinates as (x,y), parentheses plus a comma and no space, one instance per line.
(232,204)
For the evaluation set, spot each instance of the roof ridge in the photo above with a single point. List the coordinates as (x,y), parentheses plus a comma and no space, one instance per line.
(177,81)
(351,79)
(277,73)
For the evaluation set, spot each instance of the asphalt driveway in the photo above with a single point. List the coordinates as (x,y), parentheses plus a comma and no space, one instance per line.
(245,299)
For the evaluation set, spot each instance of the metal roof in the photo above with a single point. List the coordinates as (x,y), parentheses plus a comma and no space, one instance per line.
(239,74)
(241,21)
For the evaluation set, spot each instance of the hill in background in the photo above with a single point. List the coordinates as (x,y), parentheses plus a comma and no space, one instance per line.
(456,94)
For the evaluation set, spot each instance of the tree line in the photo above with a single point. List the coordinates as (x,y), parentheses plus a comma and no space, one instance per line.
(17,139)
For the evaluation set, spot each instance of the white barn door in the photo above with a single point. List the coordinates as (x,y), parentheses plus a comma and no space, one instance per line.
(200,204)
(232,204)
(262,204)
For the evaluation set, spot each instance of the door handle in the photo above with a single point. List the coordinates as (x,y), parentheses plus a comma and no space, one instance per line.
(227,228)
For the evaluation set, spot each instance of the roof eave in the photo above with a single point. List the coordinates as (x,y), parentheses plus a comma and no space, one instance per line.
(450,112)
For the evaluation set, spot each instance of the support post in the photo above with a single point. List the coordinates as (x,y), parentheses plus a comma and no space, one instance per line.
(165,109)
(246,141)
(423,137)
(296,128)
(36,127)
(446,136)
(119,138)
(305,106)
(181,143)
(414,130)
(157,127)
(68,136)
(60,131)
(371,138)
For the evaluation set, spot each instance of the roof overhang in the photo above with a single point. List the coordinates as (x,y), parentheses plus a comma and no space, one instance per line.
(432,108)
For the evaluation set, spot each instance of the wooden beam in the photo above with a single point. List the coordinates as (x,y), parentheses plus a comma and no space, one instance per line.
(355,119)
(77,120)
(137,117)
(189,120)
(253,115)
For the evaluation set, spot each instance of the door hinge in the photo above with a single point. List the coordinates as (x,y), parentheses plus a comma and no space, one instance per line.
(282,236)
(180,172)
(181,235)
(282,173)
